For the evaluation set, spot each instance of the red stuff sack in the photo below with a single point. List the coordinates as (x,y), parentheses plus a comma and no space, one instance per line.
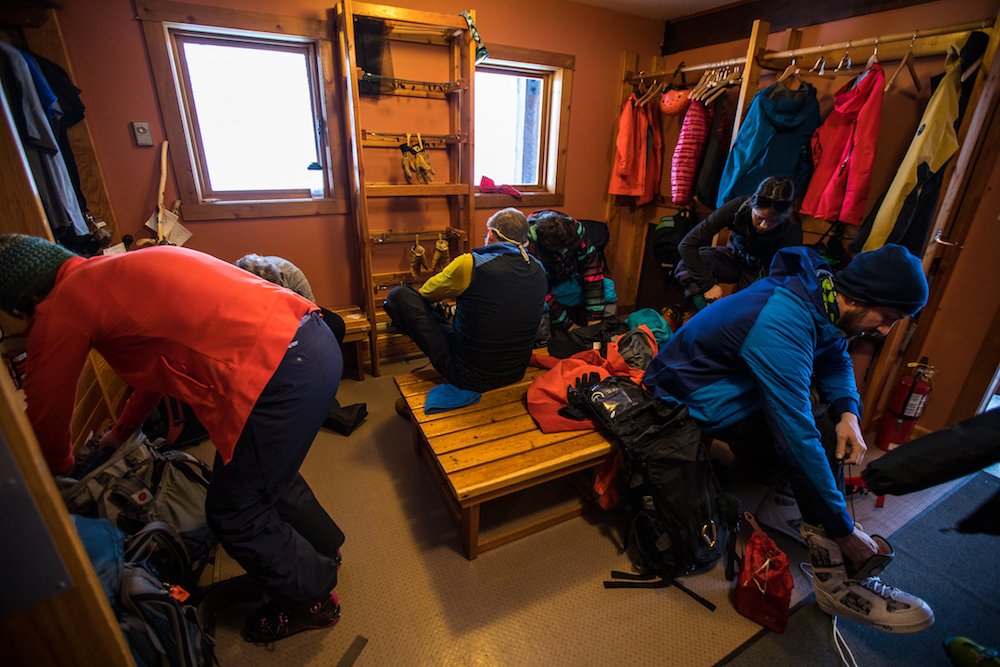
(764,587)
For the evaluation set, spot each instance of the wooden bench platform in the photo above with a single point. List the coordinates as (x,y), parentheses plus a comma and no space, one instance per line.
(493,449)
(356,335)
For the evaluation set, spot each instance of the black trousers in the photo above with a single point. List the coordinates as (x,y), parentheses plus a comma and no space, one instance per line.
(414,316)
(259,506)
(724,267)
(754,448)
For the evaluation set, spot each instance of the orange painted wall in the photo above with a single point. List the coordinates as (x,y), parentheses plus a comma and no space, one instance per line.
(109,61)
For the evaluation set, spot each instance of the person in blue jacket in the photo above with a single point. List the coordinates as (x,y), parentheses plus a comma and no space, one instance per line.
(745,367)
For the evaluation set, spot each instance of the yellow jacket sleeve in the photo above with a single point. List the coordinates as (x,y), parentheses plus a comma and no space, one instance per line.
(452,281)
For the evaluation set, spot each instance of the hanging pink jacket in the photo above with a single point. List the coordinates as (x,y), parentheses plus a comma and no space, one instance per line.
(843,150)
(688,153)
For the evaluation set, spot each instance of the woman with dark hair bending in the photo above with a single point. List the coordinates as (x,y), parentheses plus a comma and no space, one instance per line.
(759,226)
(579,293)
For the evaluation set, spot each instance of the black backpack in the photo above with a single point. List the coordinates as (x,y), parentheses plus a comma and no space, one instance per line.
(668,235)
(679,521)
(175,423)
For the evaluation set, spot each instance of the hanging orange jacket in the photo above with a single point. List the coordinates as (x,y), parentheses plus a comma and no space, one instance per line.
(638,152)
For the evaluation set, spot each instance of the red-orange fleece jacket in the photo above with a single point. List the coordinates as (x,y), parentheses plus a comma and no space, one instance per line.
(168,320)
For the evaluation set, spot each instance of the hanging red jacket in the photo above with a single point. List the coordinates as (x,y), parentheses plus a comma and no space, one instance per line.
(843,150)
(628,171)
(654,155)
(638,152)
(688,153)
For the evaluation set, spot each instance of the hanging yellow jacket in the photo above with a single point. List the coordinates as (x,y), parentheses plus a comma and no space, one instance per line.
(934,143)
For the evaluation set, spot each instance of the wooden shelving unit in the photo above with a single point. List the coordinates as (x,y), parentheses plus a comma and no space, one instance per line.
(454,95)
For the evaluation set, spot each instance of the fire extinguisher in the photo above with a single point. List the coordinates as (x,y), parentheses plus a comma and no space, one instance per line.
(905,406)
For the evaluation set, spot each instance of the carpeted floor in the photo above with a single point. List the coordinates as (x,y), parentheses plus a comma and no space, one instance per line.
(956,574)
(410,597)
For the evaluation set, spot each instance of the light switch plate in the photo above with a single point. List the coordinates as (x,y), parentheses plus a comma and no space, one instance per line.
(141,133)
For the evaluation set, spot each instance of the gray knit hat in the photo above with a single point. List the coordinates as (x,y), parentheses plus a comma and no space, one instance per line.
(28,267)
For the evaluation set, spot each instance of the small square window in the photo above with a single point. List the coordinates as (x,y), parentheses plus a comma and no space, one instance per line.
(253,111)
(245,99)
(509,119)
(522,123)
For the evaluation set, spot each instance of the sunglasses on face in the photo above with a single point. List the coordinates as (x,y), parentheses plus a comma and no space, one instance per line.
(776,205)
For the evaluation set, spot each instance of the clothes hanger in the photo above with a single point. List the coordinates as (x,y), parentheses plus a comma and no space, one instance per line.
(972,69)
(845,63)
(910,66)
(791,72)
(819,67)
(651,93)
(907,63)
(733,77)
(873,58)
(702,82)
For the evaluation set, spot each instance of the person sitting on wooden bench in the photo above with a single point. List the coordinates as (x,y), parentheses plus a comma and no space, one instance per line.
(499,291)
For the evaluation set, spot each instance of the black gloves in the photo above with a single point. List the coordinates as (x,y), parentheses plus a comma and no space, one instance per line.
(576,402)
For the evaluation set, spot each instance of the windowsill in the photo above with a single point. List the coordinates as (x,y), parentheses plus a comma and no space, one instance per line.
(527,200)
(262,209)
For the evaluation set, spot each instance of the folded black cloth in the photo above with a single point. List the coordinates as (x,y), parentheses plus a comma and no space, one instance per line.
(344,419)
(565,343)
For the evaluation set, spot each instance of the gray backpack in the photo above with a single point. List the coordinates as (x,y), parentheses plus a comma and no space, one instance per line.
(160,629)
(139,485)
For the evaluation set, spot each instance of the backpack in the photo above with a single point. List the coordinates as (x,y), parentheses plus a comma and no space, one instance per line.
(160,549)
(159,627)
(679,521)
(668,235)
(174,422)
(139,485)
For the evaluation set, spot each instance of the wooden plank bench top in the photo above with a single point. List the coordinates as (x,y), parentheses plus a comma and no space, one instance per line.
(492,449)
(356,328)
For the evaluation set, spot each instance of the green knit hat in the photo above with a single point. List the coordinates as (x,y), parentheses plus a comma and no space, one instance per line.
(28,266)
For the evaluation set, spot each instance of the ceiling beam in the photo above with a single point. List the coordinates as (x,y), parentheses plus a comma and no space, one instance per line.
(733,22)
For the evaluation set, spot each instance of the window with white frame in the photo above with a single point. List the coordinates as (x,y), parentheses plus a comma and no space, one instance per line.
(245,112)
(522,120)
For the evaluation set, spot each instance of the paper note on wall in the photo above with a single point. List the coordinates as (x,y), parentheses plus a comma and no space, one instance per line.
(173,231)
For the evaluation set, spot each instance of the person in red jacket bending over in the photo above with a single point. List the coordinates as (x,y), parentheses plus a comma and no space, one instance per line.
(254,361)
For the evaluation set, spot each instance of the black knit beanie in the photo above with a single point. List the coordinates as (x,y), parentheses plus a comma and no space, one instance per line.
(890,276)
(28,266)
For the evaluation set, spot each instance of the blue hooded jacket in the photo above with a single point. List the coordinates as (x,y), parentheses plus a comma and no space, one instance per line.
(774,140)
(760,350)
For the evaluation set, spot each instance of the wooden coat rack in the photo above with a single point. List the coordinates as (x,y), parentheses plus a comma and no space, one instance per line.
(627,244)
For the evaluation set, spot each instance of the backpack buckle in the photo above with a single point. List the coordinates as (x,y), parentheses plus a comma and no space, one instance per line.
(709,534)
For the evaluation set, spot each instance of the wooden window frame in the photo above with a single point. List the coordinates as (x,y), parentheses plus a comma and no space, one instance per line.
(556,70)
(164,23)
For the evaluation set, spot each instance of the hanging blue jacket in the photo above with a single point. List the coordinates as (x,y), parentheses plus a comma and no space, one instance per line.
(774,140)
(760,350)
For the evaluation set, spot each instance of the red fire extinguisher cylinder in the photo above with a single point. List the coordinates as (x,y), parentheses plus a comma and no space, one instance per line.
(905,405)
